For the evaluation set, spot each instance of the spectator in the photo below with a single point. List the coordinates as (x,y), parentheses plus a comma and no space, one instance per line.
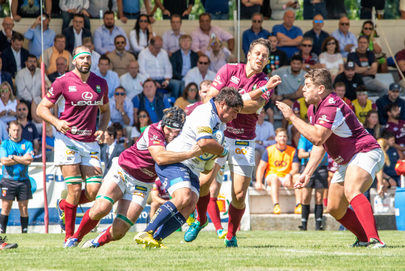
(390,177)
(277,58)
(317,34)
(264,135)
(200,73)
(95,57)
(362,104)
(69,8)
(76,33)
(28,9)
(5,76)
(201,36)
(374,45)
(371,123)
(29,130)
(391,98)
(314,8)
(105,34)
(350,79)
(141,35)
(217,9)
(131,9)
(49,142)
(149,100)
(366,66)
(97,8)
(159,196)
(190,96)
(289,36)
(171,37)
(113,81)
(61,68)
(140,126)
(255,32)
(310,59)
(121,136)
(278,8)
(110,149)
(330,58)
(396,126)
(52,53)
(218,55)
(280,162)
(248,8)
(204,87)
(170,7)
(300,108)
(347,40)
(132,81)
(8,103)
(16,155)
(340,89)
(33,34)
(7,34)
(120,58)
(183,59)
(122,109)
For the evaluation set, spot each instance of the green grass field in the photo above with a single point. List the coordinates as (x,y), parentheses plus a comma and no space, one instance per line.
(258,250)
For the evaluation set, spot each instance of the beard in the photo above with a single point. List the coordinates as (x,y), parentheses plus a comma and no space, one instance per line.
(83,69)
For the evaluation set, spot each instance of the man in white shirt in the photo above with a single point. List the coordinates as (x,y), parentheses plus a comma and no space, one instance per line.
(199,73)
(171,37)
(95,57)
(132,81)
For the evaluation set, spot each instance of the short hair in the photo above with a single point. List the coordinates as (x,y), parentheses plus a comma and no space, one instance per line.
(86,40)
(61,57)
(13,122)
(112,131)
(59,36)
(230,96)
(120,87)
(361,88)
(108,12)
(391,106)
(175,16)
(149,80)
(266,43)
(78,15)
(340,84)
(80,47)
(204,14)
(154,38)
(363,37)
(17,36)
(297,57)
(307,38)
(185,36)
(23,103)
(119,36)
(320,77)
(387,134)
(256,14)
(279,130)
(104,57)
(203,55)
(32,56)
(325,43)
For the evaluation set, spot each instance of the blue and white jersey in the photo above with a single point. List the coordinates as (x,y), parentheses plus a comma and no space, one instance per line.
(202,123)
(16,172)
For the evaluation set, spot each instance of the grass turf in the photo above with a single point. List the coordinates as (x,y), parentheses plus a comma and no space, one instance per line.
(258,250)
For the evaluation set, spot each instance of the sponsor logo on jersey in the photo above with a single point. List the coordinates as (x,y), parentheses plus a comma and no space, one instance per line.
(142,188)
(98,88)
(72,89)
(87,96)
(331,101)
(218,79)
(23,147)
(204,129)
(323,119)
(75,131)
(50,92)
(339,159)
(83,103)
(148,172)
(156,142)
(235,80)
(241,143)
(280,163)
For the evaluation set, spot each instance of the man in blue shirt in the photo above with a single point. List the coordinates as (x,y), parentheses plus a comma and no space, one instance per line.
(16,155)
(112,78)
(34,35)
(347,40)
(289,36)
(254,33)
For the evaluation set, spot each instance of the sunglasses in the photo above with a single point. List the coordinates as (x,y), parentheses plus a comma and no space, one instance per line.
(202,63)
(143,116)
(4,90)
(318,21)
(368,28)
(306,45)
(143,21)
(256,21)
(22,109)
(331,43)
(120,94)
(344,23)
(192,89)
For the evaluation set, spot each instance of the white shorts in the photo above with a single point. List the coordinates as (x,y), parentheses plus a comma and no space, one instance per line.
(133,189)
(372,162)
(281,179)
(70,152)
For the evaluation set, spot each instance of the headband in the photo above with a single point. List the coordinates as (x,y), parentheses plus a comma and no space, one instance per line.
(82,53)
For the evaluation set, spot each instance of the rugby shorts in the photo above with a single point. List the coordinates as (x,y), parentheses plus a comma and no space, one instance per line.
(11,189)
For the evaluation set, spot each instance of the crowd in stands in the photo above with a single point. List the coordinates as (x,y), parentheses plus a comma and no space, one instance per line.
(147,73)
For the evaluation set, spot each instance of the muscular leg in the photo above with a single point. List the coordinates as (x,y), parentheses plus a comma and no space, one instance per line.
(5,211)
(23,206)
(93,177)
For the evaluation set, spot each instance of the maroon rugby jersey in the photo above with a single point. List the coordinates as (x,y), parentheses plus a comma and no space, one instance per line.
(399,131)
(348,134)
(82,100)
(234,75)
(158,186)
(190,108)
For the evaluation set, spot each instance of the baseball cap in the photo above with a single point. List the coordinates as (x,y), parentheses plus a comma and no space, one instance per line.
(395,86)
(349,65)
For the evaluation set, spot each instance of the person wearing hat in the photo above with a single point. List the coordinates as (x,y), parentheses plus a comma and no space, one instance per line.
(391,98)
(351,80)
(362,104)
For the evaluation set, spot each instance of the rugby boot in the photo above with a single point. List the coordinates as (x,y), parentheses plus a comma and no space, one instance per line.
(71,242)
(298,209)
(221,233)
(276,209)
(5,245)
(192,232)
(375,243)
(146,239)
(231,243)
(61,215)
(92,243)
(359,243)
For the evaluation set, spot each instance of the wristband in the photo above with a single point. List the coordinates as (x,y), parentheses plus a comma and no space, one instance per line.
(264,89)
(224,153)
(246,97)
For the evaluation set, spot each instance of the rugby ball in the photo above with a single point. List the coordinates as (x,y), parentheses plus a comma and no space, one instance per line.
(220,138)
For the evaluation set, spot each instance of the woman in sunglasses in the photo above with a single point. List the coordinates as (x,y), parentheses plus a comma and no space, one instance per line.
(140,126)
(190,96)
(330,58)
(374,45)
(8,103)
(140,36)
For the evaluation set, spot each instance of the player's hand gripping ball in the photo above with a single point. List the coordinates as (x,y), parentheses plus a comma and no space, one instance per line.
(220,138)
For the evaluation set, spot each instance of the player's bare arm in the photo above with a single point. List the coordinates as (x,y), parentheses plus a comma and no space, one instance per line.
(210,145)
(164,157)
(252,106)
(104,120)
(315,158)
(44,112)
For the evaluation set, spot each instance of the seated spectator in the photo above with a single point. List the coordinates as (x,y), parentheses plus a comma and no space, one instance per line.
(33,34)
(171,37)
(29,130)
(330,58)
(280,162)
(190,96)
(105,34)
(121,137)
(204,88)
(277,58)
(52,53)
(217,9)
(8,103)
(149,100)
(362,104)
(183,59)
(122,109)
(391,98)
(7,34)
(374,45)
(310,59)
(120,58)
(264,135)
(110,149)
(14,56)
(289,36)
(255,32)
(159,195)
(340,89)
(95,57)
(76,32)
(49,142)
(390,177)
(317,34)
(347,40)
(28,9)
(200,73)
(70,8)
(113,81)
(366,65)
(278,8)
(5,76)
(218,54)
(201,36)
(132,81)
(61,68)
(300,108)
(141,35)
(396,126)
(140,126)
(350,78)
(371,124)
